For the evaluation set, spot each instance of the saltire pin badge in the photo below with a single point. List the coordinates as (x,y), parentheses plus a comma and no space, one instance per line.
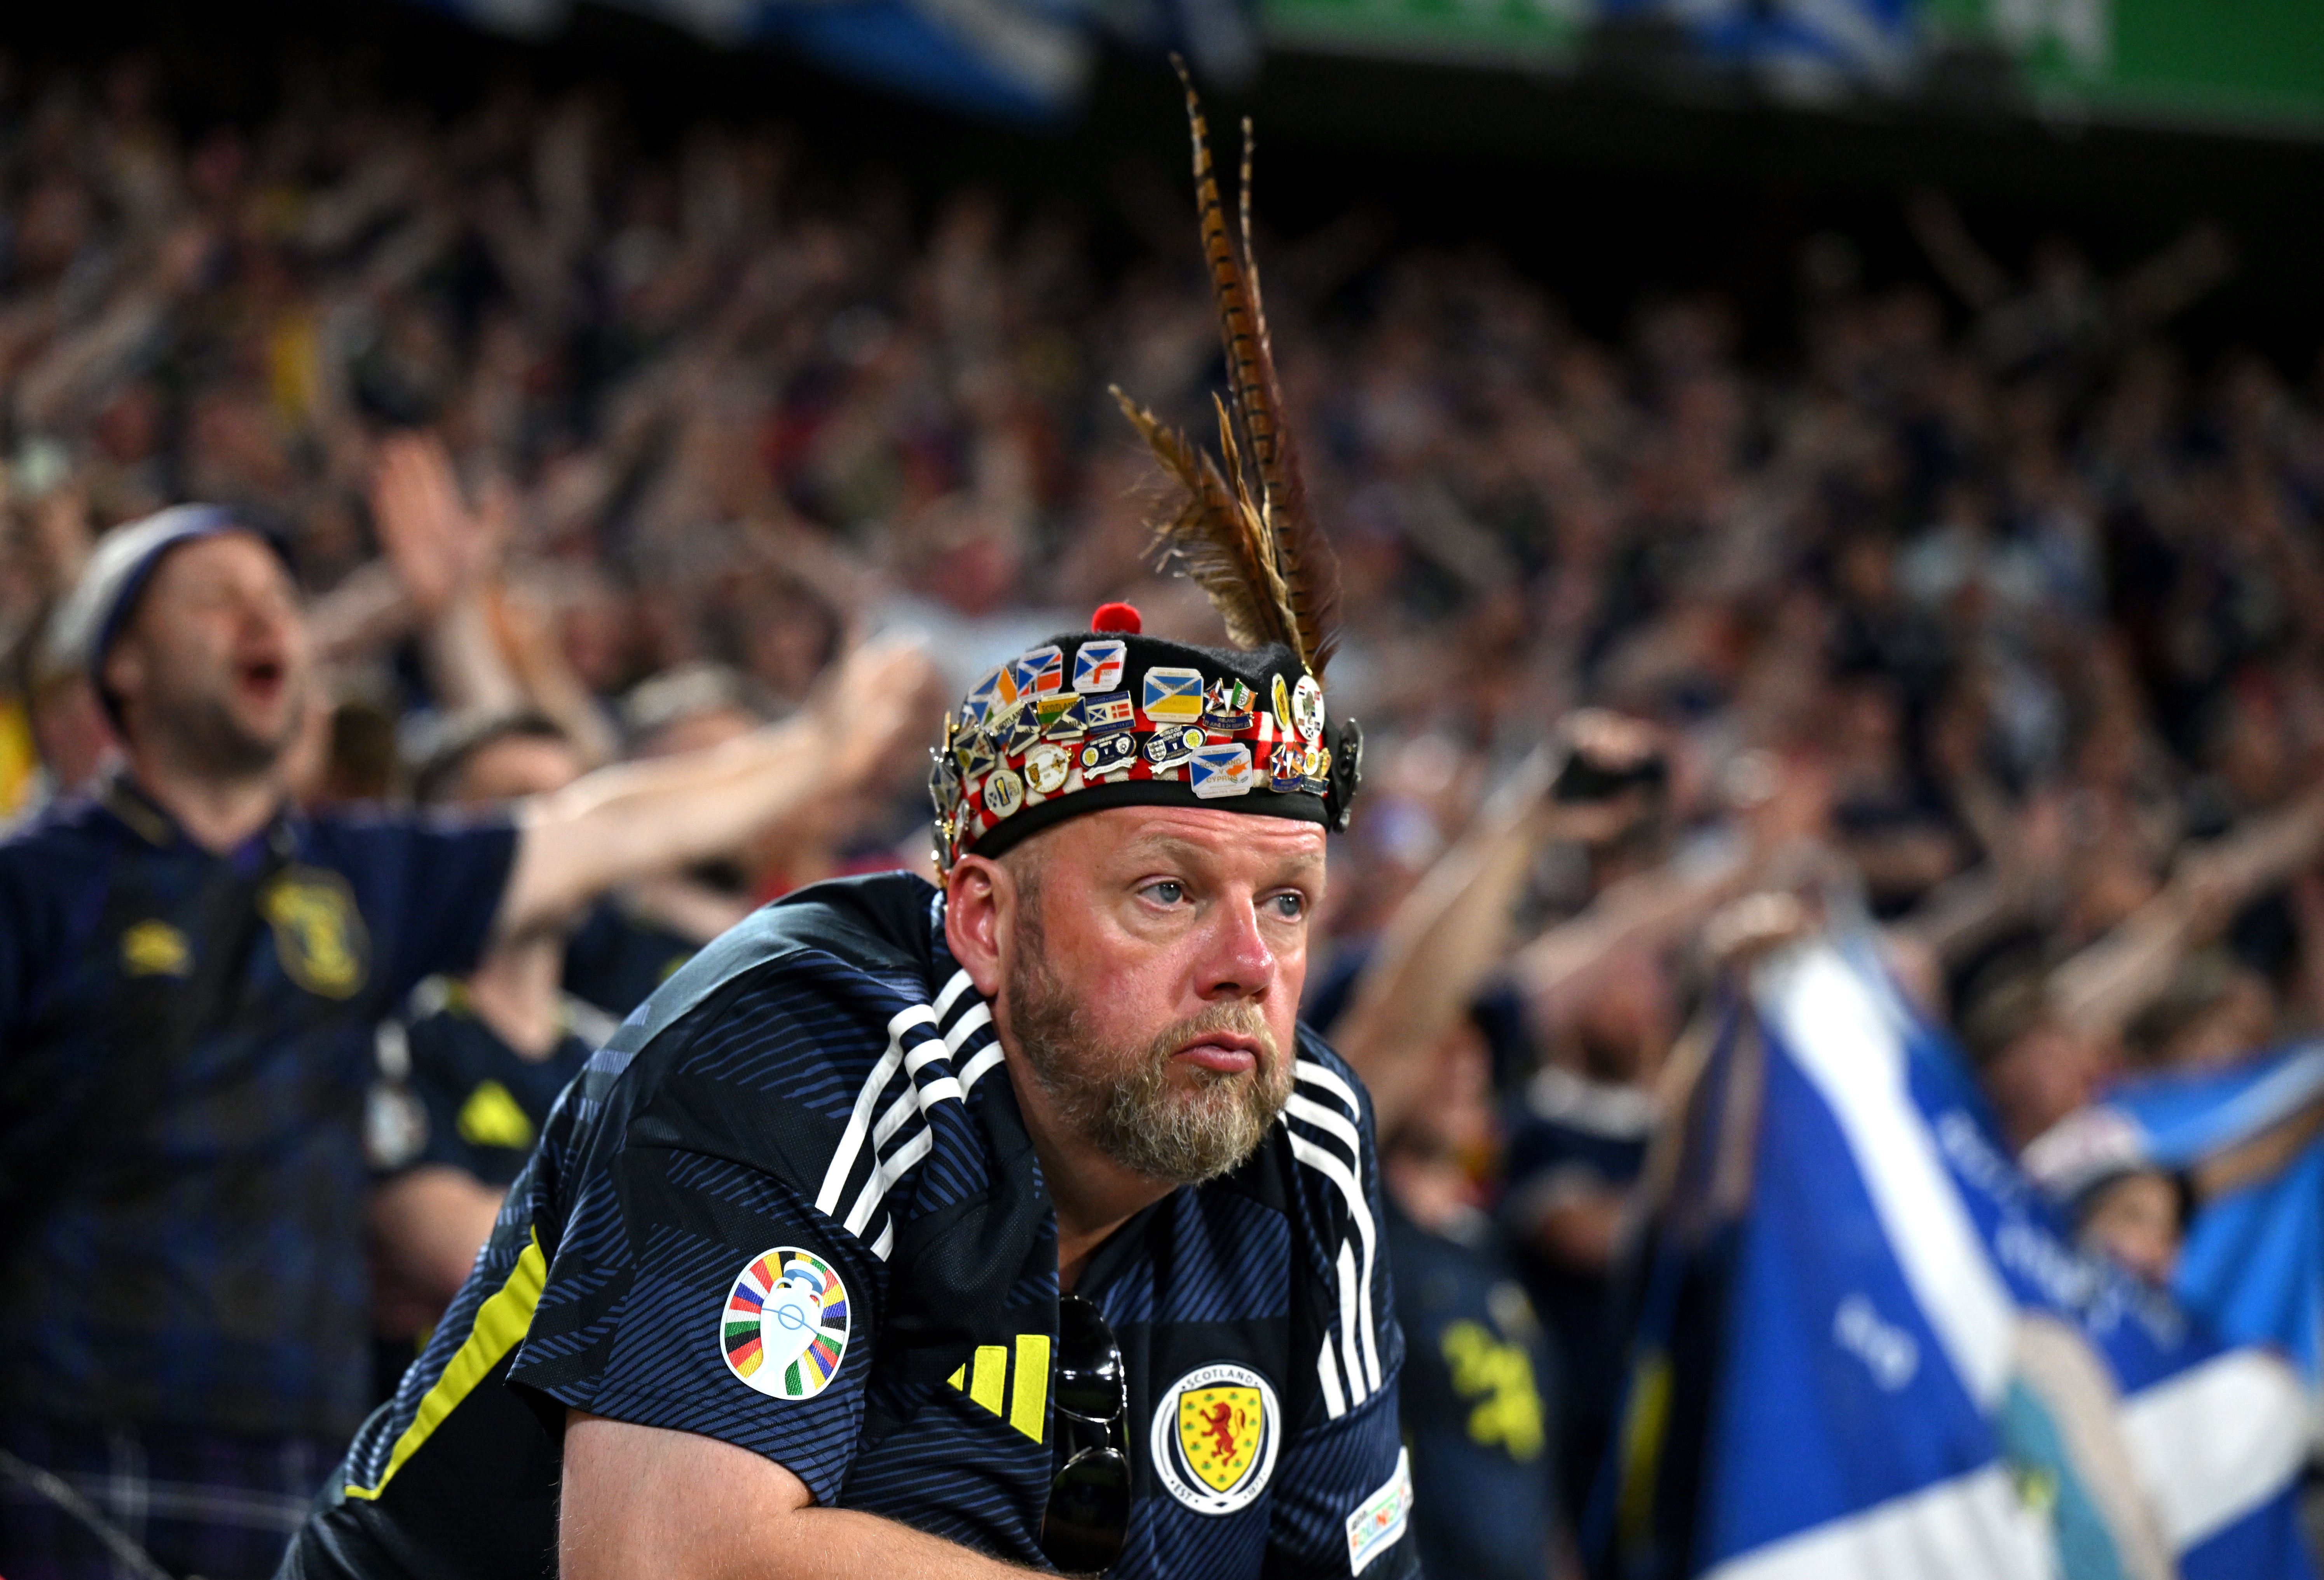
(973,752)
(983,698)
(1108,713)
(1069,722)
(1038,672)
(1172,694)
(1024,730)
(1097,667)
(1219,771)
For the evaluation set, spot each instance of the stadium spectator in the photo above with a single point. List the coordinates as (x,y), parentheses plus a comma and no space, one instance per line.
(189,972)
(469,1066)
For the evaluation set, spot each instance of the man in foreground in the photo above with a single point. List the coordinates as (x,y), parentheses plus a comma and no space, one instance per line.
(908,1232)
(941,1233)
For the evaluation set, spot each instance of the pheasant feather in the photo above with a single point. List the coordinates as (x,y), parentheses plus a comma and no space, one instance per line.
(1215,537)
(1242,531)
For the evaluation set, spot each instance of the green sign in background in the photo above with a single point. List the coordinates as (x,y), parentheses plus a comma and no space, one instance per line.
(2255,64)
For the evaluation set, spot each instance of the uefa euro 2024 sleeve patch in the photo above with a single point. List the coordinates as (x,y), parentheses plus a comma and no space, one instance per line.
(1215,1433)
(784,1328)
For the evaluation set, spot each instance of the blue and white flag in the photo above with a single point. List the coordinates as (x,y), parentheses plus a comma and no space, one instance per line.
(2253,1265)
(1801,49)
(1913,1375)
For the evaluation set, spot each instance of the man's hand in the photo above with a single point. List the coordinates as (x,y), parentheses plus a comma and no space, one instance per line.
(435,544)
(639,1501)
(878,696)
(1611,779)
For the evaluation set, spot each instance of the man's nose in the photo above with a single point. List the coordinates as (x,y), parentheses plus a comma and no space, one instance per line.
(259,615)
(1237,961)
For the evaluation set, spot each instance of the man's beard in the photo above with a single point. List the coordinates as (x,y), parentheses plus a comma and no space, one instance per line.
(212,737)
(1124,1102)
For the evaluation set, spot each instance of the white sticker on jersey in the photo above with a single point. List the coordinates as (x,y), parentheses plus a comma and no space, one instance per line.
(1379,1521)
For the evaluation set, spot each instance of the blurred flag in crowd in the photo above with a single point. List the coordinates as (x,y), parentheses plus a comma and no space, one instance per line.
(2247,1140)
(1866,1349)
(1017,59)
(1803,49)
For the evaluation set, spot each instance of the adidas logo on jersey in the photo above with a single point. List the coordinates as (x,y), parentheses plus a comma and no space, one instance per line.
(1019,1393)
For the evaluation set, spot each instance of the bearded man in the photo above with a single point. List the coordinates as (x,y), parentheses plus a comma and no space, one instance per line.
(948,1233)
(944,1232)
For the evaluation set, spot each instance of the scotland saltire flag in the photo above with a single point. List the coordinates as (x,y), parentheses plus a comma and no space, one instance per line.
(2252,1265)
(1865,1352)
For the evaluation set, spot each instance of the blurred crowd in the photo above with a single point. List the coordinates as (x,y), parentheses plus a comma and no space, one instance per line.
(1989,621)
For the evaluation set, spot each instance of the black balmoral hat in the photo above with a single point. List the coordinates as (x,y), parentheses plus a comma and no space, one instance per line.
(1110,717)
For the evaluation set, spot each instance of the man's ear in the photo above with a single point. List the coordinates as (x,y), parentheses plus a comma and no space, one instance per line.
(980,903)
(123,669)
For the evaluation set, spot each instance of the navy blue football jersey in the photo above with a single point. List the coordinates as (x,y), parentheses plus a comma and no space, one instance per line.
(791,1206)
(1475,1402)
(1573,1137)
(453,1094)
(229,1171)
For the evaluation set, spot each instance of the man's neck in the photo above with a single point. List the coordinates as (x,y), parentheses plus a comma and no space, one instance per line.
(1093,1195)
(218,812)
(515,993)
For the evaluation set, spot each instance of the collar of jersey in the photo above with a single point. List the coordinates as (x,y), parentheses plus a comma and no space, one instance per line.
(136,809)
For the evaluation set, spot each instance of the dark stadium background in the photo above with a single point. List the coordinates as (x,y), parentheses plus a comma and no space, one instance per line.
(1609,183)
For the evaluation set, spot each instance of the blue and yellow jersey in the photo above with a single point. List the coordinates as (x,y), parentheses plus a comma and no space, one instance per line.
(453,1095)
(188,1245)
(791,1206)
(1477,1396)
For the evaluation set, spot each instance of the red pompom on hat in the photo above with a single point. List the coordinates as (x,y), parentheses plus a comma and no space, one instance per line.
(1117,617)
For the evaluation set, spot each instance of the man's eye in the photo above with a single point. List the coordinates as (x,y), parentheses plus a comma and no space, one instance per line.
(1290,907)
(1169,892)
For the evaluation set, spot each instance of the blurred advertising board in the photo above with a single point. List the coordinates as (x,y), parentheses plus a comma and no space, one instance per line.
(2247,65)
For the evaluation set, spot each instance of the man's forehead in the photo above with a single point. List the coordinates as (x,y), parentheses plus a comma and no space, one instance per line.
(235,551)
(235,563)
(1206,834)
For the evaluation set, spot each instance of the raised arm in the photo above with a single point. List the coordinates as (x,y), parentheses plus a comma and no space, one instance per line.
(643,1501)
(1453,929)
(635,820)
(1446,935)
(2103,989)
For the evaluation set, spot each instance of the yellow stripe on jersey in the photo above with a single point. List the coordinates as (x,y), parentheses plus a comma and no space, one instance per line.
(1028,1404)
(988,1379)
(1022,1401)
(500,1324)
